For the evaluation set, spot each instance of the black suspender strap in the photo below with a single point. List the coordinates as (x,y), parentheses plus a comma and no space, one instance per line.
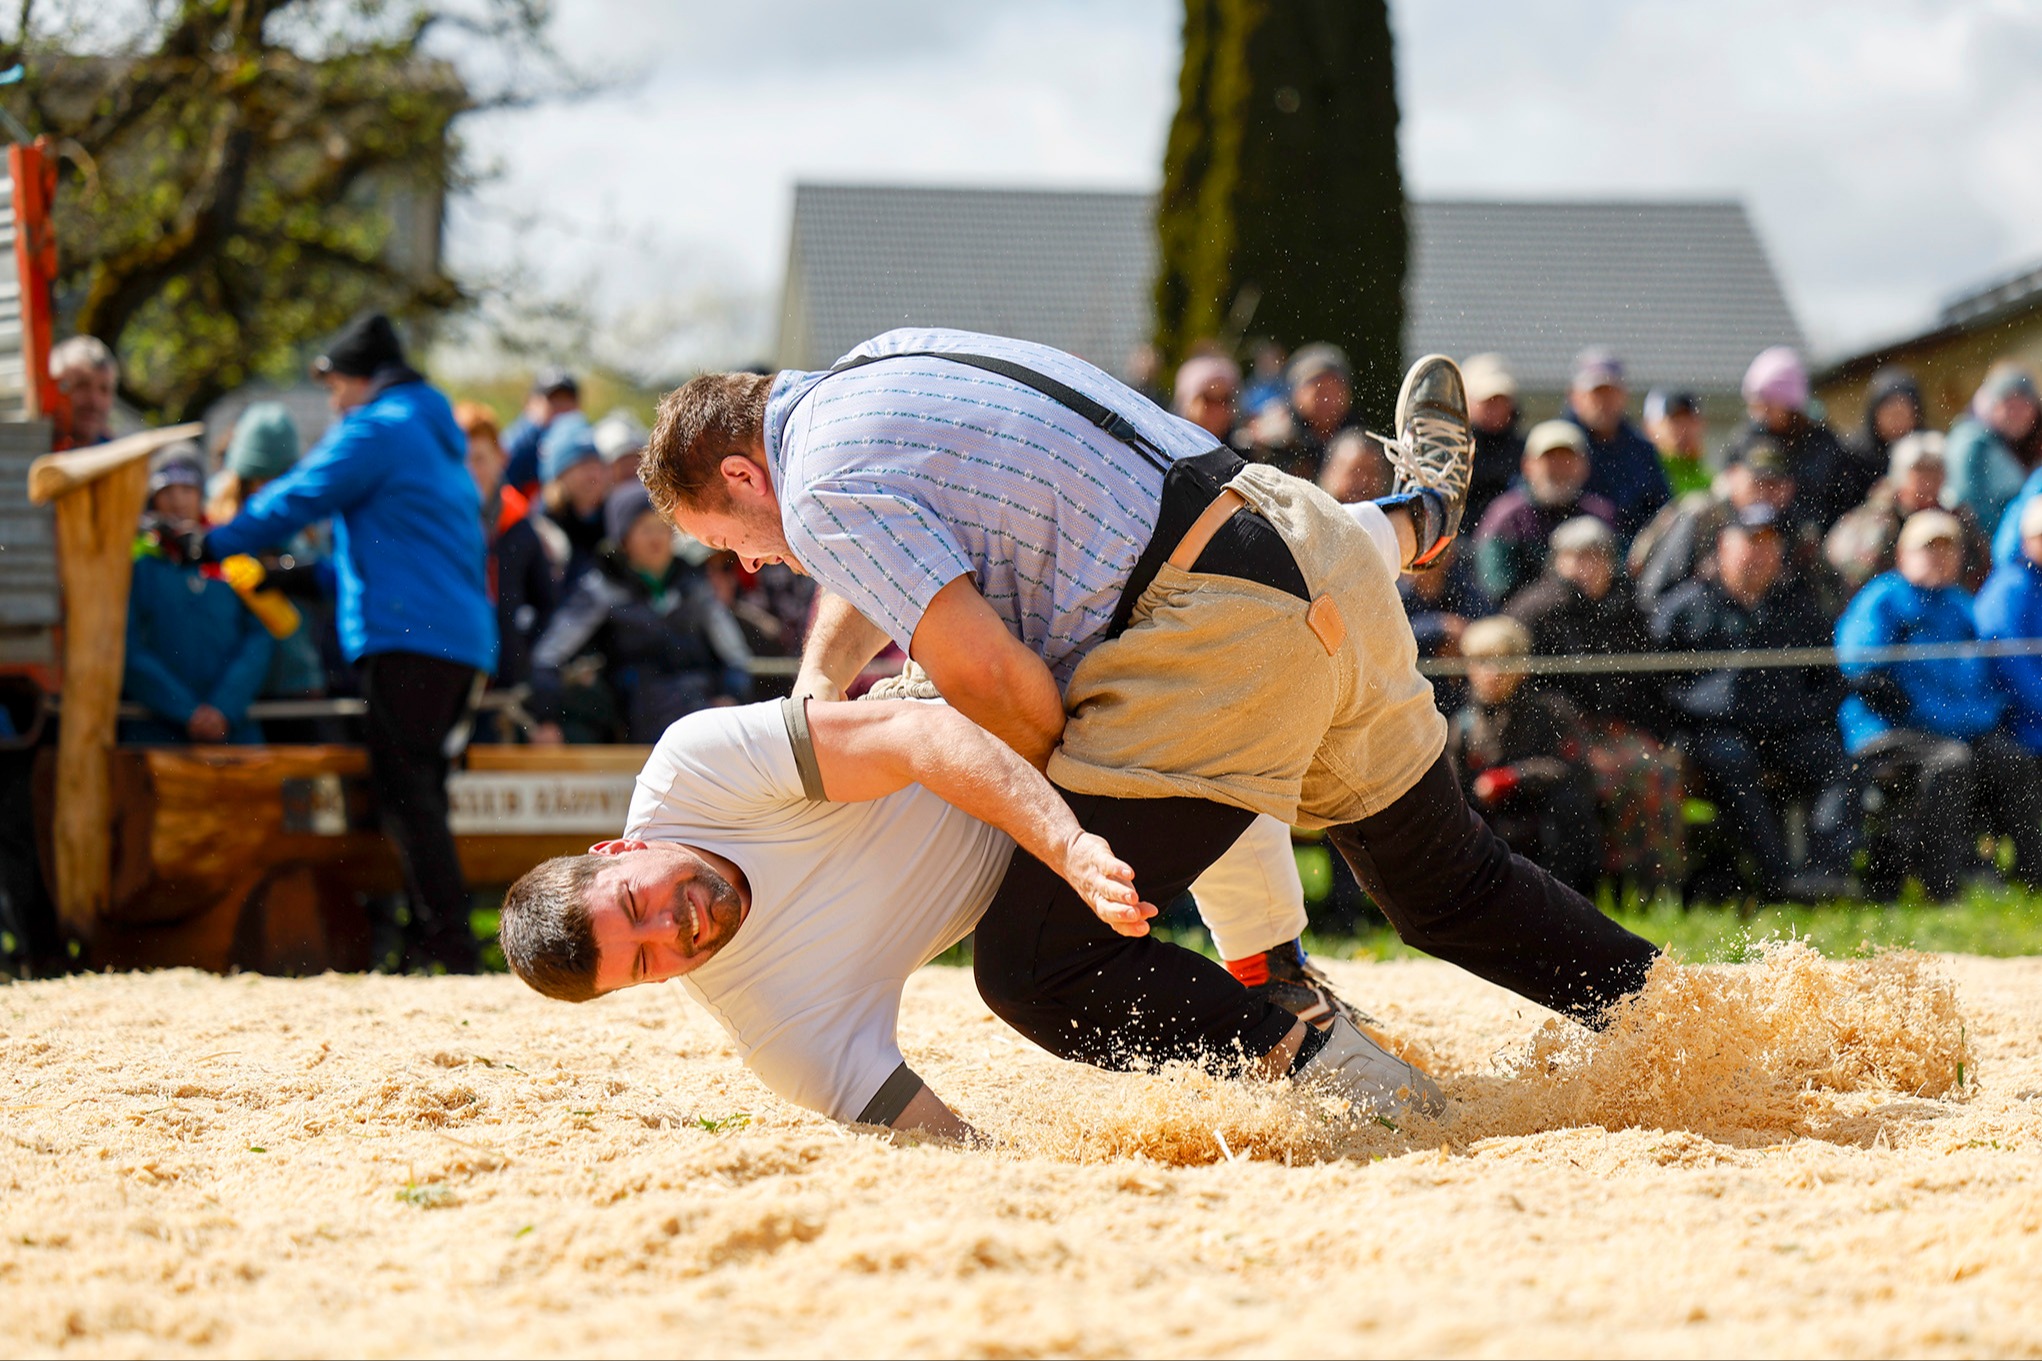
(1098,414)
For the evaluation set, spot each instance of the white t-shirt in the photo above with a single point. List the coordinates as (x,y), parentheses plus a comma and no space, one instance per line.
(848,899)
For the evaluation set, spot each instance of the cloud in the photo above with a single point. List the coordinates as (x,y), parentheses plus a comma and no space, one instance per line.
(1885,148)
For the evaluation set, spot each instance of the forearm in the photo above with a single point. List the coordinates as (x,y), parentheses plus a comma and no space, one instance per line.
(840,643)
(977,772)
(1020,705)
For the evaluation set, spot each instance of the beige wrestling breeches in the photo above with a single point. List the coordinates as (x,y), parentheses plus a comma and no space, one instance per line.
(1312,712)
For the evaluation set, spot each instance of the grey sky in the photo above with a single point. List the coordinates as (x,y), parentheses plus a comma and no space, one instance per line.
(1887,150)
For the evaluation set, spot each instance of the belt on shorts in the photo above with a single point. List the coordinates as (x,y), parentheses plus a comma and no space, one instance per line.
(1195,503)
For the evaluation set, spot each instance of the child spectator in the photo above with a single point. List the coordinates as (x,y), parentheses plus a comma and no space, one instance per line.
(1512,747)
(1510,542)
(196,656)
(1937,719)
(664,644)
(1860,545)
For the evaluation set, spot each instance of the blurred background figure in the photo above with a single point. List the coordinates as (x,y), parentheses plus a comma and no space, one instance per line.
(1673,422)
(1930,731)
(1761,739)
(87,375)
(1776,404)
(1893,411)
(1440,603)
(1265,378)
(1510,543)
(1996,444)
(575,481)
(1499,448)
(1623,467)
(1208,393)
(1295,434)
(1861,545)
(1515,749)
(521,565)
(641,641)
(620,439)
(196,656)
(555,393)
(1356,469)
(2009,607)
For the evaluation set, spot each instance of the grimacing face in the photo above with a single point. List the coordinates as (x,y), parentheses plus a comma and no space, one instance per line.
(661,909)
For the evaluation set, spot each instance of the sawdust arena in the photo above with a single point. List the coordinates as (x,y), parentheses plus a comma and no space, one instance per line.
(1789,1156)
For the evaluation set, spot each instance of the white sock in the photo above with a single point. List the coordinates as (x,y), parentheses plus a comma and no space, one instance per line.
(1375,522)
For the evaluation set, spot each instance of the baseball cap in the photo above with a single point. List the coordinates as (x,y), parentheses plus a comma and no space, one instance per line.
(1765,457)
(1547,436)
(1496,636)
(1315,359)
(1924,527)
(2007,379)
(1583,534)
(568,441)
(1487,376)
(554,379)
(180,465)
(1923,446)
(618,434)
(1597,367)
(2031,517)
(1778,376)
(1660,403)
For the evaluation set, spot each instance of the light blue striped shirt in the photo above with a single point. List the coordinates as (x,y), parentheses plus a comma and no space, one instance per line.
(899,477)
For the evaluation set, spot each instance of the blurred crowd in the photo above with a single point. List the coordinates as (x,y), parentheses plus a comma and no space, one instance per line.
(1595,535)
(1590,535)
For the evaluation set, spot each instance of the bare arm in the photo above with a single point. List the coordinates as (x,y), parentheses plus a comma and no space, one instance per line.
(987,674)
(869,749)
(840,643)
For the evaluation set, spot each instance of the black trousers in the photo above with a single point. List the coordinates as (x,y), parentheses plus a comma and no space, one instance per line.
(415,702)
(1448,884)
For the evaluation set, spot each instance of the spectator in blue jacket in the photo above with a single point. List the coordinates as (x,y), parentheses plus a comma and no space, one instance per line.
(1623,465)
(555,393)
(576,480)
(2009,607)
(196,657)
(414,614)
(2006,543)
(1997,445)
(1935,724)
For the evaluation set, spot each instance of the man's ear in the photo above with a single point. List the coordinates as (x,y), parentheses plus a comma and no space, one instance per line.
(745,477)
(618,847)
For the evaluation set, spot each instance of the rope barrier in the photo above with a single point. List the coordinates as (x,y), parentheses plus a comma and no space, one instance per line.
(1740,659)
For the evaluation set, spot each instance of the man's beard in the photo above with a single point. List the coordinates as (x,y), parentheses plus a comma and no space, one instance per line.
(722,914)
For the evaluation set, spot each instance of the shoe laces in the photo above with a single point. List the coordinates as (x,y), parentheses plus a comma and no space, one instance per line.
(1435,455)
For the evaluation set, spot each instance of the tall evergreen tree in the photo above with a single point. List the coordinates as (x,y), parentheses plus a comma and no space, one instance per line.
(1281,180)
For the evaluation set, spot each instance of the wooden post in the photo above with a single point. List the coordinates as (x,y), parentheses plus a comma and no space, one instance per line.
(98,494)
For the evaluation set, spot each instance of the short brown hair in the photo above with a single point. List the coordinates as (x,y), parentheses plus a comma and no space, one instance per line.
(547,935)
(701,423)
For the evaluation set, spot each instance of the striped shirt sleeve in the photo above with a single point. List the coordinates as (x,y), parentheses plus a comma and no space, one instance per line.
(877,544)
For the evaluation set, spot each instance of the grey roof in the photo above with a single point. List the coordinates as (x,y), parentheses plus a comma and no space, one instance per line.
(1682,290)
(1067,269)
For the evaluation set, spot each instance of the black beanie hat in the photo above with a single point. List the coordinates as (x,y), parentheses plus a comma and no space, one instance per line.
(363,347)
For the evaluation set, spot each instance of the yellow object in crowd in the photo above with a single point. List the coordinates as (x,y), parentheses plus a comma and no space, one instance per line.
(272,607)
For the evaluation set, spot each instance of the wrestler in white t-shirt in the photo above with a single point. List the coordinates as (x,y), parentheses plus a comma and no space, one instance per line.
(848,899)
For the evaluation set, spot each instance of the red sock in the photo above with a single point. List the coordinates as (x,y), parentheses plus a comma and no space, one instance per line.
(1252,971)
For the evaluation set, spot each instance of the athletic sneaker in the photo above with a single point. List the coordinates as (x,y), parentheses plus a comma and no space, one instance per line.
(1284,976)
(1353,1066)
(1434,451)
